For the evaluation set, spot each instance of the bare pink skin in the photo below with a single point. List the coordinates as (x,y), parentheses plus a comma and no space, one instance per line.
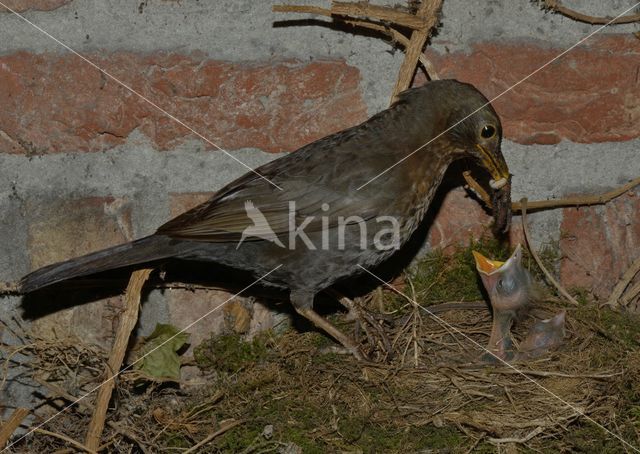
(544,337)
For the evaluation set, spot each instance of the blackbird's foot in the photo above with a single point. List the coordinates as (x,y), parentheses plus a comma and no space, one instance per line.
(334,332)
(303,304)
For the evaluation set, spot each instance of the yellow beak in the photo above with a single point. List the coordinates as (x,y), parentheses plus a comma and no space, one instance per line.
(496,166)
(485,265)
(488,267)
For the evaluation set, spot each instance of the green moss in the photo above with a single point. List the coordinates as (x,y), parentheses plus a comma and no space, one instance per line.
(621,326)
(230,352)
(176,441)
(441,277)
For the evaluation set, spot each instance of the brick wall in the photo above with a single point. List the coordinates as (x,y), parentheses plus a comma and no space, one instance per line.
(86,163)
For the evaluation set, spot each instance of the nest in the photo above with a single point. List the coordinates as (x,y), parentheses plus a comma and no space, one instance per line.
(292,393)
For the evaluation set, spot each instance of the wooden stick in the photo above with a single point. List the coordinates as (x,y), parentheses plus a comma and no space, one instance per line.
(11,425)
(478,189)
(357,9)
(555,5)
(128,321)
(393,33)
(428,12)
(58,392)
(574,201)
(618,290)
(71,441)
(381,13)
(631,294)
(223,428)
(560,288)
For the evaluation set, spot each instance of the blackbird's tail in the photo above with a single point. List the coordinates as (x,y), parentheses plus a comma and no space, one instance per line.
(144,250)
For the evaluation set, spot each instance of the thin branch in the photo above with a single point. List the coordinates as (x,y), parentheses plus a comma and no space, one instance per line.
(57,391)
(631,294)
(574,201)
(71,441)
(428,12)
(547,373)
(128,321)
(381,13)
(556,6)
(560,288)
(537,431)
(11,425)
(618,290)
(223,428)
(394,34)
(478,189)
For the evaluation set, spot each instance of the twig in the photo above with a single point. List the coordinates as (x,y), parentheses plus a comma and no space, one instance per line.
(538,430)
(631,294)
(9,288)
(223,428)
(381,13)
(543,373)
(560,288)
(76,444)
(371,12)
(128,320)
(555,5)
(11,425)
(618,290)
(58,391)
(393,33)
(581,200)
(478,189)
(428,12)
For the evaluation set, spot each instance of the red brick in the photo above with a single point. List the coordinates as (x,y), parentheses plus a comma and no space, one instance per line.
(64,229)
(462,218)
(57,103)
(33,5)
(459,219)
(599,243)
(591,94)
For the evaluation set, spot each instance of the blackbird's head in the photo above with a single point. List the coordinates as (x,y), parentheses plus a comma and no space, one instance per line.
(474,128)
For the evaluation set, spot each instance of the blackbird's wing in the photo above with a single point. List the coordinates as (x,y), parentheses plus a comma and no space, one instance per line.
(313,178)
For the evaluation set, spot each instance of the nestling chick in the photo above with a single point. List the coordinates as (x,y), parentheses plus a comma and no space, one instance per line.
(511,291)
(509,287)
(543,337)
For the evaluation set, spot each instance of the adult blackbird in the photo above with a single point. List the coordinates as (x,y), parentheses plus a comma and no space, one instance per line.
(317,215)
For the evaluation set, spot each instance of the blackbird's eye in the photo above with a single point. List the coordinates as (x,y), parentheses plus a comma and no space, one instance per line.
(488,131)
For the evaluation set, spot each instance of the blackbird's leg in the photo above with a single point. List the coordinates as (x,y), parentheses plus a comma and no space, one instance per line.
(303,304)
